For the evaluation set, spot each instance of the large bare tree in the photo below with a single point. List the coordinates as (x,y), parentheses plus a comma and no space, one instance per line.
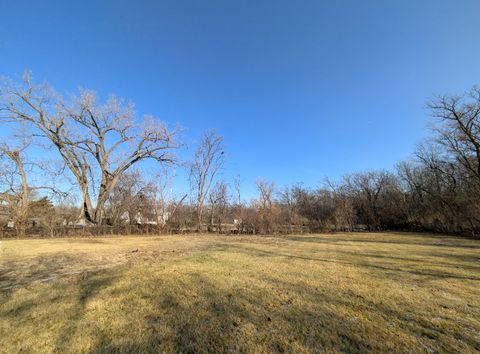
(97,141)
(209,158)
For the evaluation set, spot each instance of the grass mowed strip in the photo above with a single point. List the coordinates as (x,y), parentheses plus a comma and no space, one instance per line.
(374,292)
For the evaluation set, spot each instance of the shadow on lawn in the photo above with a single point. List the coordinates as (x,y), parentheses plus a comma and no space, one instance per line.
(289,317)
(413,321)
(423,240)
(459,261)
(216,319)
(45,268)
(88,286)
(359,261)
(22,273)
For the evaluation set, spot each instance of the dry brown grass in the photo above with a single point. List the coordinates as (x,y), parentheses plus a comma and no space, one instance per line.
(311,293)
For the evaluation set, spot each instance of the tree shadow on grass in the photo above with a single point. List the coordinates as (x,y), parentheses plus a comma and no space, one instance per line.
(358,262)
(415,321)
(60,305)
(22,273)
(87,287)
(459,258)
(275,315)
(427,241)
(206,317)
(422,260)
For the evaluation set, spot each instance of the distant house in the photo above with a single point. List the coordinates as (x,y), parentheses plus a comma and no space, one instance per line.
(141,219)
(4,212)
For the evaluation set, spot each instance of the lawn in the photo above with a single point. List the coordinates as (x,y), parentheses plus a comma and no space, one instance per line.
(378,292)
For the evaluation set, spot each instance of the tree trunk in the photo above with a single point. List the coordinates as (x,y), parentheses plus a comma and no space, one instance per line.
(21,209)
(199,218)
(87,209)
(106,186)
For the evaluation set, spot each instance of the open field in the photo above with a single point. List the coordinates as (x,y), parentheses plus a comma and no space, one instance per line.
(309,293)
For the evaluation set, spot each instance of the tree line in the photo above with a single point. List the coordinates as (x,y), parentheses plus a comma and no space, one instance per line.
(99,147)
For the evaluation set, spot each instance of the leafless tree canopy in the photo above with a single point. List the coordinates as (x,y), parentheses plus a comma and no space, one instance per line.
(209,159)
(97,141)
(459,130)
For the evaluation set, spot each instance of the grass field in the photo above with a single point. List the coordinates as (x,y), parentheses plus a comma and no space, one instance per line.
(310,293)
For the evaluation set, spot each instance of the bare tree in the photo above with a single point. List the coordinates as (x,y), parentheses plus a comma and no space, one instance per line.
(14,181)
(125,200)
(218,200)
(285,200)
(266,191)
(237,185)
(365,190)
(162,188)
(98,142)
(209,158)
(18,189)
(459,131)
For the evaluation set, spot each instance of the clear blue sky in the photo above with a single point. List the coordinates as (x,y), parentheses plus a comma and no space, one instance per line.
(300,89)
